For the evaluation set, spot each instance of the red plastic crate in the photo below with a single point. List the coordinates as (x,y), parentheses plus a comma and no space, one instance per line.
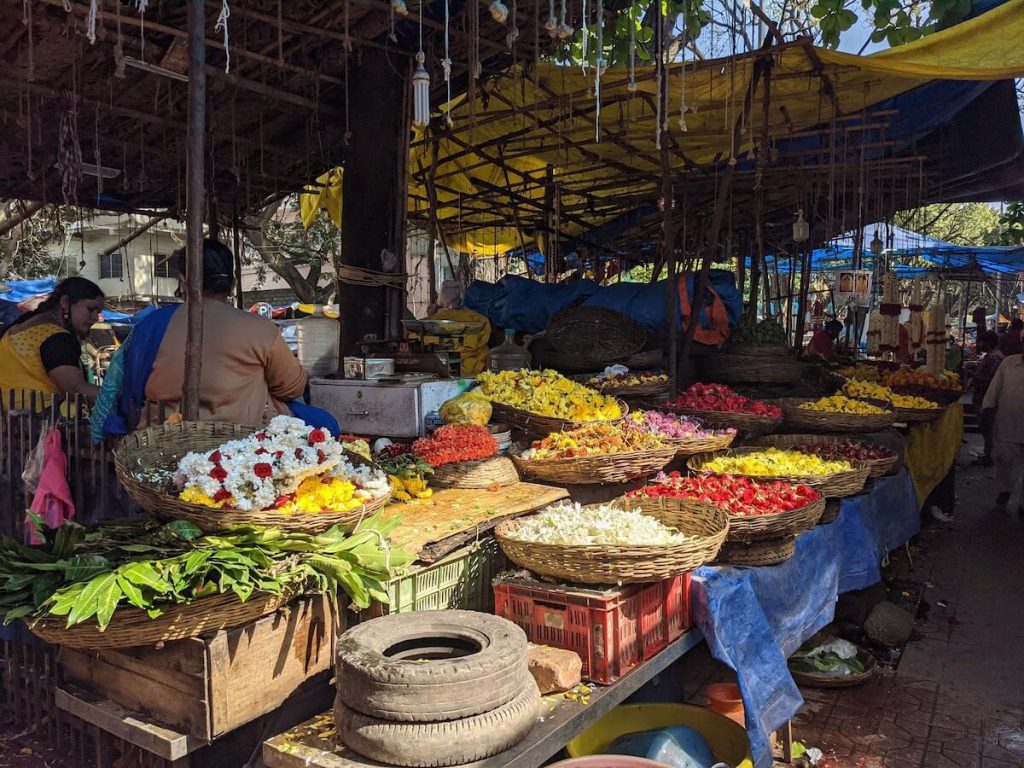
(612,630)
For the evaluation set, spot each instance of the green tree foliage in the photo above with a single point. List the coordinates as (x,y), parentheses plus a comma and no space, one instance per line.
(1011,225)
(276,240)
(26,229)
(957,223)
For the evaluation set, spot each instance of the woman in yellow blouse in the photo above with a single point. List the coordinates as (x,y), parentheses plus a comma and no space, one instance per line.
(41,351)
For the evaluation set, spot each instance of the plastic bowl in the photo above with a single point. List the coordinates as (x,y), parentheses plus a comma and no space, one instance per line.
(727,739)
(606,761)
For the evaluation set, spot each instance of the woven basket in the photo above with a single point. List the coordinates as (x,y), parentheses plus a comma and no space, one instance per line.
(819,421)
(570,362)
(917,415)
(599,564)
(763,552)
(849,681)
(485,473)
(876,467)
(939,396)
(758,349)
(132,627)
(594,470)
(650,389)
(161,447)
(836,485)
(831,513)
(726,368)
(604,333)
(670,511)
(745,423)
(690,446)
(542,426)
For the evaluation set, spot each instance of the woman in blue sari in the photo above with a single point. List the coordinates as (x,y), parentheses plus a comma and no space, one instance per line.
(249,374)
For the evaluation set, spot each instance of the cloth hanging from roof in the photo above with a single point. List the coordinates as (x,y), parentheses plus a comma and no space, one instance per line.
(327,195)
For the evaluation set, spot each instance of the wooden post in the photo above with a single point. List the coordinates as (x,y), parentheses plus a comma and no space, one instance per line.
(370,187)
(195,197)
(237,236)
(755,277)
(761,65)
(805,286)
(550,240)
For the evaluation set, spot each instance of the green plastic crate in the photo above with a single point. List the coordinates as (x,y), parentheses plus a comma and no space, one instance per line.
(461,580)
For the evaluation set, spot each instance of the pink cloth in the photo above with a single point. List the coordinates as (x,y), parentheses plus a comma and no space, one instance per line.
(52,500)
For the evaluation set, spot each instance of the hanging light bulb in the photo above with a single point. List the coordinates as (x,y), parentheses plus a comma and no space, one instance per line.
(499,11)
(421,93)
(801,229)
(399,7)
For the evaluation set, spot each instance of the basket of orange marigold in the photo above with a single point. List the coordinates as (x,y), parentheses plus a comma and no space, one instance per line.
(595,454)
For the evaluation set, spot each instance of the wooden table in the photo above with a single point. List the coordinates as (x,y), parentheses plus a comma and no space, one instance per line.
(311,744)
(434,527)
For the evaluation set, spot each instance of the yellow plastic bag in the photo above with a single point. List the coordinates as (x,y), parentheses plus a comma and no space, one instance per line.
(468,408)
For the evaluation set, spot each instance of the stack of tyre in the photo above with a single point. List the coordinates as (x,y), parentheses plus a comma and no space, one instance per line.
(435,688)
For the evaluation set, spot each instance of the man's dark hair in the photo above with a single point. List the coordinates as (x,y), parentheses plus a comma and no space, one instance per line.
(988,340)
(1017,324)
(834,325)
(218,266)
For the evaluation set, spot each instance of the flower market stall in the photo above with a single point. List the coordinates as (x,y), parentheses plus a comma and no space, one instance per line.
(488,566)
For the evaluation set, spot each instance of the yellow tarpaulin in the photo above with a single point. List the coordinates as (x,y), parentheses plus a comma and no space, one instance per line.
(544,120)
(931,449)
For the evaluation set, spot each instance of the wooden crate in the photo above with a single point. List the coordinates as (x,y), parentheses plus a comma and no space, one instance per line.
(208,686)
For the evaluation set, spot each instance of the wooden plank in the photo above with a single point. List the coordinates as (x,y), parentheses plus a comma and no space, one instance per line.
(253,669)
(126,725)
(144,689)
(179,665)
(441,524)
(210,685)
(312,744)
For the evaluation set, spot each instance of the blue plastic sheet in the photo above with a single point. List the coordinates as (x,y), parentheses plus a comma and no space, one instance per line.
(526,305)
(754,618)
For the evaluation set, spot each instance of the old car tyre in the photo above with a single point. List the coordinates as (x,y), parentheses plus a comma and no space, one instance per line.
(432,665)
(446,743)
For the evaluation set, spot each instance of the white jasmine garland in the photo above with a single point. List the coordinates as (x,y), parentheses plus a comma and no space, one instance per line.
(575,525)
(257,470)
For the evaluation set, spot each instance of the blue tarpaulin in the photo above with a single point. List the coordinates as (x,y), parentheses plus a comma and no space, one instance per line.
(754,618)
(27,289)
(905,246)
(526,305)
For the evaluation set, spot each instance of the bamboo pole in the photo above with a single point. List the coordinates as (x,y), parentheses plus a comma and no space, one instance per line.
(135,233)
(195,200)
(669,256)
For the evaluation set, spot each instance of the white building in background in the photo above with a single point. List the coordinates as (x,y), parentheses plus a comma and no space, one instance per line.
(143,270)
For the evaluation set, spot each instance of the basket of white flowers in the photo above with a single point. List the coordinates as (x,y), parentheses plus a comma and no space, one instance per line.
(220,476)
(609,544)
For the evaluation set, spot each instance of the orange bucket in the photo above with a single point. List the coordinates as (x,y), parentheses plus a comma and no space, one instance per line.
(726,700)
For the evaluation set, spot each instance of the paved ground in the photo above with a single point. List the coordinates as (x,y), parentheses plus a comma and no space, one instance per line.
(956,697)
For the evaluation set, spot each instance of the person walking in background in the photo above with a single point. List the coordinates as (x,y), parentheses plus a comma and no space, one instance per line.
(1009,340)
(992,358)
(1005,396)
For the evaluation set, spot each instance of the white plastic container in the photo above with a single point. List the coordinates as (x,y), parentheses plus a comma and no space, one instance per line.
(318,339)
